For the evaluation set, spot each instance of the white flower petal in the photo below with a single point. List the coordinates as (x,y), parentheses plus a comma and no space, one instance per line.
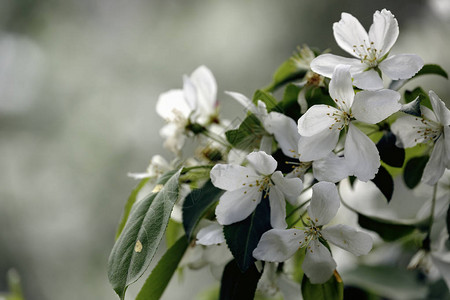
(291,187)
(435,166)
(243,100)
(384,31)
(368,80)
(446,138)
(278,245)
(405,129)
(401,66)
(361,154)
(277,208)
(171,105)
(210,235)
(439,108)
(348,238)
(331,168)
(341,88)
(206,85)
(317,119)
(262,162)
(324,204)
(288,288)
(317,146)
(349,33)
(285,131)
(326,63)
(235,206)
(231,177)
(375,106)
(190,93)
(318,264)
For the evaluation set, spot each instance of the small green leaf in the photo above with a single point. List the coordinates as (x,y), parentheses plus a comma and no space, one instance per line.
(243,237)
(158,280)
(289,105)
(333,289)
(196,204)
(428,69)
(414,170)
(383,180)
(318,95)
(237,285)
(418,92)
(248,135)
(267,98)
(389,152)
(387,230)
(412,108)
(142,234)
(287,72)
(131,200)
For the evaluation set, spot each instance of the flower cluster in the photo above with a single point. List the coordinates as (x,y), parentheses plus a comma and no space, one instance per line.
(261,197)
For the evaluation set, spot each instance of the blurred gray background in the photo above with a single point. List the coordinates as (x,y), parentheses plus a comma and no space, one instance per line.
(79,80)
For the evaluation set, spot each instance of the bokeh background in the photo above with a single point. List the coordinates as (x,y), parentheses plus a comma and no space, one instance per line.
(79,80)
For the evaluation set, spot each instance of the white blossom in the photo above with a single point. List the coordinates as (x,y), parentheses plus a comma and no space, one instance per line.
(320,126)
(278,245)
(246,186)
(371,51)
(432,127)
(195,104)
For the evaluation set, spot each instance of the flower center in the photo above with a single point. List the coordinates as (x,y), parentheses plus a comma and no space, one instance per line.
(341,119)
(263,184)
(429,132)
(367,53)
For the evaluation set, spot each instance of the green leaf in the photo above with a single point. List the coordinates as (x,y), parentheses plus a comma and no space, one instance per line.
(158,280)
(142,234)
(387,230)
(428,69)
(389,152)
(383,180)
(287,72)
(243,237)
(174,231)
(237,285)
(131,200)
(318,95)
(289,105)
(387,281)
(414,170)
(248,135)
(418,92)
(196,204)
(333,289)
(267,98)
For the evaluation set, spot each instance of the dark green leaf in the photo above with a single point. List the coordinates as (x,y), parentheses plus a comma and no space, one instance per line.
(383,180)
(412,108)
(248,135)
(387,230)
(333,289)
(289,105)
(287,72)
(131,200)
(158,280)
(197,203)
(236,285)
(267,98)
(426,70)
(414,170)
(318,95)
(418,92)
(243,237)
(174,231)
(389,152)
(448,220)
(141,236)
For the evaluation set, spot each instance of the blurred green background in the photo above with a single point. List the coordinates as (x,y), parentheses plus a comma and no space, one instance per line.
(79,80)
